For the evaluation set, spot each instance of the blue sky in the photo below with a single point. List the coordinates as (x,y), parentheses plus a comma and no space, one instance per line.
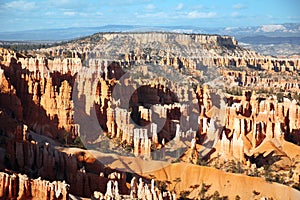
(16,15)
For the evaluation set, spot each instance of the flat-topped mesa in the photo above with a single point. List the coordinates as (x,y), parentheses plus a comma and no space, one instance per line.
(174,49)
(147,45)
(165,37)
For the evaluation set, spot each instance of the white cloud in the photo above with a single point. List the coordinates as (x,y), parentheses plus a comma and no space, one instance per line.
(181,15)
(231,28)
(235,14)
(199,7)
(122,2)
(83,14)
(20,5)
(272,28)
(196,15)
(61,2)
(66,4)
(179,6)
(69,13)
(150,7)
(151,15)
(50,13)
(239,6)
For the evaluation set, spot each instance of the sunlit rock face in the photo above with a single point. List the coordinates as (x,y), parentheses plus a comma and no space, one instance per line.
(116,86)
(17,186)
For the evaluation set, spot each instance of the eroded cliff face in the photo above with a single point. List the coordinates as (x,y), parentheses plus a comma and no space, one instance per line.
(26,152)
(43,95)
(17,186)
(110,90)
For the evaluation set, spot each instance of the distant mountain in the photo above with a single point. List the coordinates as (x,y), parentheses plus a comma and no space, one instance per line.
(261,39)
(281,30)
(59,34)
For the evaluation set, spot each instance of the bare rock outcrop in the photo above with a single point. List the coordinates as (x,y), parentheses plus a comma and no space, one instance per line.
(40,97)
(17,186)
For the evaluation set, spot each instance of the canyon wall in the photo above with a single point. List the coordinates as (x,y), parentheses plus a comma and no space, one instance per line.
(42,98)
(47,86)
